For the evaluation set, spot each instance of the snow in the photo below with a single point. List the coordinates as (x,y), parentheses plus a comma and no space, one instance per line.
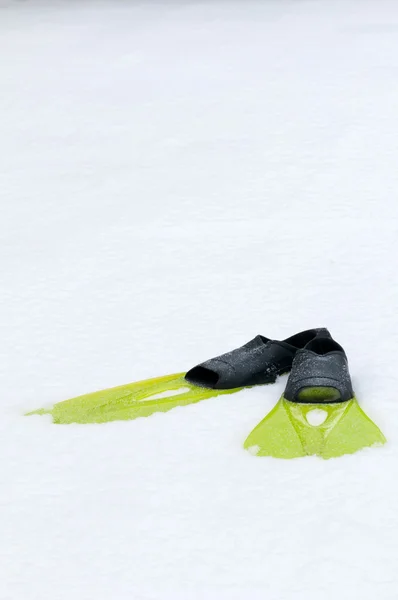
(175,178)
(316,417)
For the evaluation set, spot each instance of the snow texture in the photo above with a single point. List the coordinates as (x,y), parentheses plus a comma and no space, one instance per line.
(177,177)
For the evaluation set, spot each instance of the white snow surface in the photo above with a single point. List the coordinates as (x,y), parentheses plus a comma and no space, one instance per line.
(176,177)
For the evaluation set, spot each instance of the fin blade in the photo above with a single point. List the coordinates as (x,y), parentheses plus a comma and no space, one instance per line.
(130,401)
(353,432)
(286,433)
(275,436)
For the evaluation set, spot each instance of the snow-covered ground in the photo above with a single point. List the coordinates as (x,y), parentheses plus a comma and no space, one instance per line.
(175,178)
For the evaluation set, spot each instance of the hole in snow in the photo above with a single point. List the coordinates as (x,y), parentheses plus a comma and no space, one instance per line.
(316,416)
(167,394)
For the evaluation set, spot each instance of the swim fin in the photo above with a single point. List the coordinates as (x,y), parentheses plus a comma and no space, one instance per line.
(318,413)
(259,361)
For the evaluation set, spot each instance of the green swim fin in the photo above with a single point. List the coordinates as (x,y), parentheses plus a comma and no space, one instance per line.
(318,413)
(130,401)
(286,432)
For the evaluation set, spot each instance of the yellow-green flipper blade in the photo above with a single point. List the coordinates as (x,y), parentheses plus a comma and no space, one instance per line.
(336,429)
(139,399)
